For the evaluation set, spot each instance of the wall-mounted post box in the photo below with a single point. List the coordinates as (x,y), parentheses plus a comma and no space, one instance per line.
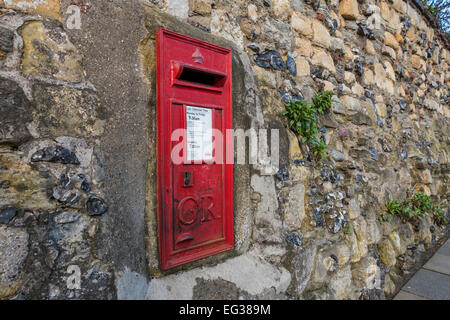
(195,185)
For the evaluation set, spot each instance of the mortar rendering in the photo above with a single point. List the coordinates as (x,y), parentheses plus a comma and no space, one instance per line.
(221,150)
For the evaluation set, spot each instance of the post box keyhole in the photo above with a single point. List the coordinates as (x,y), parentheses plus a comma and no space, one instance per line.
(187,179)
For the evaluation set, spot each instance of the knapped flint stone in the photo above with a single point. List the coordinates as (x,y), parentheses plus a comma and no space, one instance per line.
(7,214)
(294,239)
(64,180)
(85,186)
(283,174)
(359,69)
(201,27)
(288,98)
(55,154)
(402,105)
(96,206)
(291,65)
(270,59)
(6,39)
(363,31)
(253,47)
(15,113)
(72,199)
(380,121)
(373,153)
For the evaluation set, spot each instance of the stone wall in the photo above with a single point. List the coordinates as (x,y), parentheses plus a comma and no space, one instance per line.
(78,132)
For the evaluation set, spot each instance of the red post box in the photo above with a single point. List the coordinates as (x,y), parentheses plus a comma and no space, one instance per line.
(195,185)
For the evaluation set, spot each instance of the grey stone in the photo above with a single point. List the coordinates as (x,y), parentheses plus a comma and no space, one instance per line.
(16,113)
(6,39)
(7,214)
(336,155)
(67,217)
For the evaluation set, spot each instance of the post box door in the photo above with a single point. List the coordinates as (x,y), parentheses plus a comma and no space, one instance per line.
(195,195)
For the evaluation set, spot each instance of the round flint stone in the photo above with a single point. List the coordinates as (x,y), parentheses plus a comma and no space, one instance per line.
(96,206)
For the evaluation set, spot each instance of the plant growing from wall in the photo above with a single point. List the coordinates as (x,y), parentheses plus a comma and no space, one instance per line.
(414,208)
(303,118)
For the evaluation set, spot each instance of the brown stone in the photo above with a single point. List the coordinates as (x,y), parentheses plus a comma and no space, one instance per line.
(369,48)
(418,62)
(281,8)
(48,8)
(387,253)
(59,60)
(202,7)
(301,24)
(323,59)
(302,66)
(320,34)
(398,37)
(303,47)
(390,40)
(349,9)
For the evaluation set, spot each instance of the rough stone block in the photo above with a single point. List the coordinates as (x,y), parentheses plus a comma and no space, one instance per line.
(50,54)
(48,8)
(349,9)
(302,24)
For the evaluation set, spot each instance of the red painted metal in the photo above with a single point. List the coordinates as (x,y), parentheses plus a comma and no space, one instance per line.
(195,200)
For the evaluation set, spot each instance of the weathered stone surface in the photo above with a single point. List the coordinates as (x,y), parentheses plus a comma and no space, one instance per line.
(365,272)
(202,7)
(294,147)
(302,67)
(248,272)
(16,112)
(295,208)
(354,210)
(252,12)
(321,35)
(351,104)
(49,53)
(418,62)
(340,283)
(349,9)
(323,59)
(390,40)
(281,8)
(266,218)
(303,47)
(179,8)
(47,8)
(14,251)
(84,115)
(301,24)
(387,253)
(27,188)
(369,47)
(6,39)
(360,228)
(373,232)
